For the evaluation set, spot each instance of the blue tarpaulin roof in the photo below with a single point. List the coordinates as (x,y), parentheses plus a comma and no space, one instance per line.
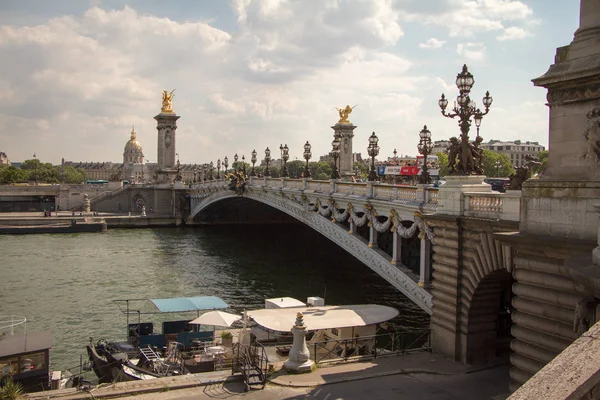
(181,304)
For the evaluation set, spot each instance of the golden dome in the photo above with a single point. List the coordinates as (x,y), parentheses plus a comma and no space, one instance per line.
(133,145)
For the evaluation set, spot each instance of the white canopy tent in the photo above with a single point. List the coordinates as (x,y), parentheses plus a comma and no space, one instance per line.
(216,318)
(327,317)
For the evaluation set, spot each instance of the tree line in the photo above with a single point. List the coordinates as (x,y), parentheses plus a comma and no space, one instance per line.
(36,171)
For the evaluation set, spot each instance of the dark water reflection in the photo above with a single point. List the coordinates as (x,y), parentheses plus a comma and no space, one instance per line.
(66,283)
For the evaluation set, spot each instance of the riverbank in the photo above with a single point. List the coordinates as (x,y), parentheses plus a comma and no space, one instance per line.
(113,220)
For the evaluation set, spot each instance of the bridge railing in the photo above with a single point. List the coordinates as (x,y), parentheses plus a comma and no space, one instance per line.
(426,196)
(504,206)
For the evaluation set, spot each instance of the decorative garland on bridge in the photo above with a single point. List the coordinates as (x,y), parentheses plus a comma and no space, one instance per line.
(370,216)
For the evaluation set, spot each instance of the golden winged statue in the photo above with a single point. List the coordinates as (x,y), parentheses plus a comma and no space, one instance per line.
(344,112)
(167,101)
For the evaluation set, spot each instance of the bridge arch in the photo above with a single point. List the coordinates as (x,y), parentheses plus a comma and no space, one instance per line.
(399,276)
(486,301)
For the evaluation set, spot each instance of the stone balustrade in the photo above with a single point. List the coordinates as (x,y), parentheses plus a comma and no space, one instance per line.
(493,205)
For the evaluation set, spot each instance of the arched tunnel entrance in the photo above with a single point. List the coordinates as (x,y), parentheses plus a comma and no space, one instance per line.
(489,321)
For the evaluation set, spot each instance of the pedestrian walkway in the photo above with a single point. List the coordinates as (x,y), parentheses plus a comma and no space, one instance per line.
(422,362)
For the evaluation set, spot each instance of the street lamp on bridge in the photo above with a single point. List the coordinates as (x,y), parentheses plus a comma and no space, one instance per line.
(267,161)
(373,151)
(212,167)
(35,168)
(464,108)
(335,152)
(307,156)
(285,157)
(497,168)
(244,164)
(424,148)
(219,168)
(226,164)
(235,162)
(253,159)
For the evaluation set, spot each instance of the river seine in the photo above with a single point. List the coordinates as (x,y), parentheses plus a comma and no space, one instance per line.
(66,283)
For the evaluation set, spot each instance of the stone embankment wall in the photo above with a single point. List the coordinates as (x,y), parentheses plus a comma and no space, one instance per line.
(478,267)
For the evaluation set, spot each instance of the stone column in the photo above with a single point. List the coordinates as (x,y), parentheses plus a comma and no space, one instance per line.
(346,132)
(166,125)
(562,200)
(299,358)
(372,236)
(425,263)
(396,248)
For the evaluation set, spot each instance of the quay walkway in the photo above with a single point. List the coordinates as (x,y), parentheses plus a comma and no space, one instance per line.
(415,363)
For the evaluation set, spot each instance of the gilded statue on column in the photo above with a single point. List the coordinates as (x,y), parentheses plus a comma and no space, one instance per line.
(167,101)
(344,112)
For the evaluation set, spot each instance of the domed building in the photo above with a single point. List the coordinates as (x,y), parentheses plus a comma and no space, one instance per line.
(133,150)
(134,169)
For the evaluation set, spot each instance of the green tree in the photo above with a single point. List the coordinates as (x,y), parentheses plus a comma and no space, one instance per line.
(12,174)
(295,168)
(74,175)
(504,168)
(443,163)
(543,156)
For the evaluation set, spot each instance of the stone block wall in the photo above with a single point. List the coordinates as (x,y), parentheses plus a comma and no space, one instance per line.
(470,273)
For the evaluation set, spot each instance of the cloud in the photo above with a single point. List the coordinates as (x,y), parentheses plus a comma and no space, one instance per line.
(73,85)
(432,43)
(466,18)
(471,51)
(513,33)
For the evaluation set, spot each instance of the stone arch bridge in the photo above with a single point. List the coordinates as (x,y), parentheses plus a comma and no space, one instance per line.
(355,216)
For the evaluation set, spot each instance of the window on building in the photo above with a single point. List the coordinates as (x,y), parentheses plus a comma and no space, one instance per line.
(499,148)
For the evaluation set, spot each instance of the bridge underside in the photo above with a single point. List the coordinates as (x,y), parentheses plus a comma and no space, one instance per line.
(256,206)
(240,211)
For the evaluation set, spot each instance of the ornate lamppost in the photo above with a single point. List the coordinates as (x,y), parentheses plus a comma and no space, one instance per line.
(195,172)
(307,156)
(424,148)
(211,171)
(373,151)
(335,152)
(497,168)
(267,161)
(253,159)
(235,162)
(244,164)
(219,168)
(285,157)
(469,157)
(35,168)
(226,164)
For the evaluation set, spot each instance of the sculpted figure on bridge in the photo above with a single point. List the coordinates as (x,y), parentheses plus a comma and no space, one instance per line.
(344,112)
(167,101)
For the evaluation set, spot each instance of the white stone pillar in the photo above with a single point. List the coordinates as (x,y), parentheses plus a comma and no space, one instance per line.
(425,263)
(372,236)
(299,357)
(396,248)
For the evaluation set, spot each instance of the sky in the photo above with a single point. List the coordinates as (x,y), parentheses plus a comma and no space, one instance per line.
(76,75)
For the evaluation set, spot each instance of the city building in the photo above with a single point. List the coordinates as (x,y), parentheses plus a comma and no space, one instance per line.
(4,159)
(516,151)
(440,146)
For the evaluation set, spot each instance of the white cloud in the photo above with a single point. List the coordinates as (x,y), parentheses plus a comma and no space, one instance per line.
(275,77)
(466,18)
(432,43)
(513,33)
(471,51)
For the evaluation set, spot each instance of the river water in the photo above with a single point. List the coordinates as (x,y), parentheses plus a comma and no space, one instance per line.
(66,283)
